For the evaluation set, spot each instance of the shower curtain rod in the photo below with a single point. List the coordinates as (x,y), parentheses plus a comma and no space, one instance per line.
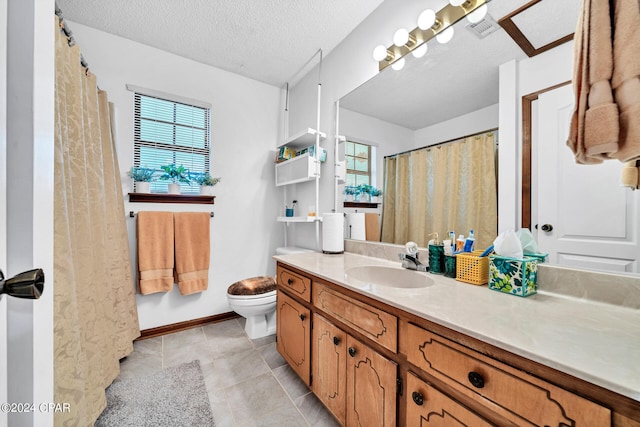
(67,32)
(442,143)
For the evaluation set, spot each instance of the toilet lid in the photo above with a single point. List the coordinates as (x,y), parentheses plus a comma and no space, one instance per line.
(253,286)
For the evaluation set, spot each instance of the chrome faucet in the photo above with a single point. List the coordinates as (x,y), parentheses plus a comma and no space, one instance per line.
(412,262)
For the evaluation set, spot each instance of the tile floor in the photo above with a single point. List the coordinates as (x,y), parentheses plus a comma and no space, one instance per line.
(248,382)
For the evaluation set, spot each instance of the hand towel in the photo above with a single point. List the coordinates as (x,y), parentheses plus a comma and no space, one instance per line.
(630,176)
(192,251)
(372,227)
(155,252)
(594,130)
(626,76)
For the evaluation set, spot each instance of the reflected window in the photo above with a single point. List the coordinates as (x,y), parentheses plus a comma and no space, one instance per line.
(359,160)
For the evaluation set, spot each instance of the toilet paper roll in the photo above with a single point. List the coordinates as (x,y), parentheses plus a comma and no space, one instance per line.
(356,229)
(332,233)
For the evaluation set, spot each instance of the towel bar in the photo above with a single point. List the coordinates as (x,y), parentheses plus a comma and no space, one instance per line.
(133,214)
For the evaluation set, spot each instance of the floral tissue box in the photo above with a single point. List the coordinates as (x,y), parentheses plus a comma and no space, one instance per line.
(513,275)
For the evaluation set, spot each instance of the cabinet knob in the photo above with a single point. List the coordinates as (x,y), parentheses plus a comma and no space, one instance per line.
(418,398)
(336,340)
(476,380)
(352,352)
(289,281)
(302,317)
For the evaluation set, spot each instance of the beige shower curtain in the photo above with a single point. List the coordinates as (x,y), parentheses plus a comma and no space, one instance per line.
(95,315)
(439,189)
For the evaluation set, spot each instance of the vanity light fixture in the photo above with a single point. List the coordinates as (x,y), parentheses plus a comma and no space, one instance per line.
(430,24)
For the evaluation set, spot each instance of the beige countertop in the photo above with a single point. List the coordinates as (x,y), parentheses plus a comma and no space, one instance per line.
(593,341)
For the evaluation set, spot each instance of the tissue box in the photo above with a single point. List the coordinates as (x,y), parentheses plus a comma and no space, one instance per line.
(541,257)
(312,151)
(513,275)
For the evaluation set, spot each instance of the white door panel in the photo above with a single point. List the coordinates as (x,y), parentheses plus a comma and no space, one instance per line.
(594,218)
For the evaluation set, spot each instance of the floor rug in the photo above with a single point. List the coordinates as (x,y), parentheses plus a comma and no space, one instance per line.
(173,397)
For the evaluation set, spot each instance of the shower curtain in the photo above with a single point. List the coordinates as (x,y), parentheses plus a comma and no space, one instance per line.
(439,189)
(95,315)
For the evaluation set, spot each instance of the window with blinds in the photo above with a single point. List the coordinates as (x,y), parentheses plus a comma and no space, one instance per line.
(358,157)
(168,132)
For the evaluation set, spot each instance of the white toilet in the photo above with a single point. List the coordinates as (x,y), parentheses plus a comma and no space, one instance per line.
(255,300)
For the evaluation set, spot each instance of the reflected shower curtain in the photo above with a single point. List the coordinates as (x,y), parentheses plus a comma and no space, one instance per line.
(442,188)
(95,315)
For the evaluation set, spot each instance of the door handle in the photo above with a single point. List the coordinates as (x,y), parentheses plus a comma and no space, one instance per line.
(547,227)
(28,284)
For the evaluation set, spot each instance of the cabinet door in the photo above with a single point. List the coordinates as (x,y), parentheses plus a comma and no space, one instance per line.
(330,366)
(426,406)
(371,387)
(294,334)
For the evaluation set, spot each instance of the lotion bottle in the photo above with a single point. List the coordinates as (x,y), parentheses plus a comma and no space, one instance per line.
(460,243)
(469,243)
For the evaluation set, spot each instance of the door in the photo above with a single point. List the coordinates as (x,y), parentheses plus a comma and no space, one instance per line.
(585,218)
(294,334)
(330,366)
(371,387)
(3,207)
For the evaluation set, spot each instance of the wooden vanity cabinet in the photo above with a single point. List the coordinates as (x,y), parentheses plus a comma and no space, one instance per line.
(357,348)
(357,384)
(293,334)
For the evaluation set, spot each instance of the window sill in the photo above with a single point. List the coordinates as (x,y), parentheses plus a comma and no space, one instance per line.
(361,204)
(170,198)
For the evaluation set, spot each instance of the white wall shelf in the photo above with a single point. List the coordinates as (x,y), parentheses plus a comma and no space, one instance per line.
(299,169)
(303,139)
(299,218)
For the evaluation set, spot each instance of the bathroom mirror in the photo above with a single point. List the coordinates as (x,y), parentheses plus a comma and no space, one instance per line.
(427,98)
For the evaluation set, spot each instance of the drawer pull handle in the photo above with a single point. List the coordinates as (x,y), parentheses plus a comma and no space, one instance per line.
(336,340)
(289,281)
(352,352)
(418,398)
(476,379)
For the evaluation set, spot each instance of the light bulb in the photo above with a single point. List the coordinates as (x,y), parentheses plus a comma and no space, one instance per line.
(426,19)
(456,2)
(444,36)
(398,65)
(401,37)
(478,14)
(380,53)
(420,51)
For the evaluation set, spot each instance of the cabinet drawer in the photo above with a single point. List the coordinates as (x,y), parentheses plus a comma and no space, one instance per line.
(514,394)
(375,324)
(426,406)
(296,283)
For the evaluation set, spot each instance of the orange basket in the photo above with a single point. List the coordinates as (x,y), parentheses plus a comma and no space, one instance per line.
(470,268)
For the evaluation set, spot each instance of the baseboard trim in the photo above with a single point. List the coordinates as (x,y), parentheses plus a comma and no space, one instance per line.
(188,324)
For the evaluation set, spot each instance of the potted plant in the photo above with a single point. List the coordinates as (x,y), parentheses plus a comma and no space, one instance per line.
(352,192)
(375,193)
(175,174)
(142,177)
(371,192)
(206,183)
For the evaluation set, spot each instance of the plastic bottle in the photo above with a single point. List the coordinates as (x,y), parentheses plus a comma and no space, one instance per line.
(460,243)
(469,243)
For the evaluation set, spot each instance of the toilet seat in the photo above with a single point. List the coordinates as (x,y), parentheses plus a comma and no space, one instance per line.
(255,298)
(252,287)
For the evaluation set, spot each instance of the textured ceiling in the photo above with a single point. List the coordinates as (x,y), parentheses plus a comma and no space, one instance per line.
(264,40)
(458,77)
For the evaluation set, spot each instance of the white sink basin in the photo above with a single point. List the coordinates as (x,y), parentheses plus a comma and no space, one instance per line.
(388,276)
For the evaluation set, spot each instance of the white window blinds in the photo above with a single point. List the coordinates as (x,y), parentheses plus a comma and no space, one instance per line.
(169,132)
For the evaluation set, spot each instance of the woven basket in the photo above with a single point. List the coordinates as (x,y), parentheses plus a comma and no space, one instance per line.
(470,268)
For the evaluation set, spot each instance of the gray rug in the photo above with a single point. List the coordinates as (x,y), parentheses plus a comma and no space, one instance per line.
(173,397)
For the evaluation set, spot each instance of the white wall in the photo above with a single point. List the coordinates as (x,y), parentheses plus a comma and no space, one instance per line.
(467,124)
(244,123)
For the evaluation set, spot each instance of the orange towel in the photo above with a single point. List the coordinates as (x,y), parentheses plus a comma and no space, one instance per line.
(192,251)
(155,252)
(372,227)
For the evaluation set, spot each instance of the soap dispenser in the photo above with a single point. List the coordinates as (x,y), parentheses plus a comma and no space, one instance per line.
(436,255)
